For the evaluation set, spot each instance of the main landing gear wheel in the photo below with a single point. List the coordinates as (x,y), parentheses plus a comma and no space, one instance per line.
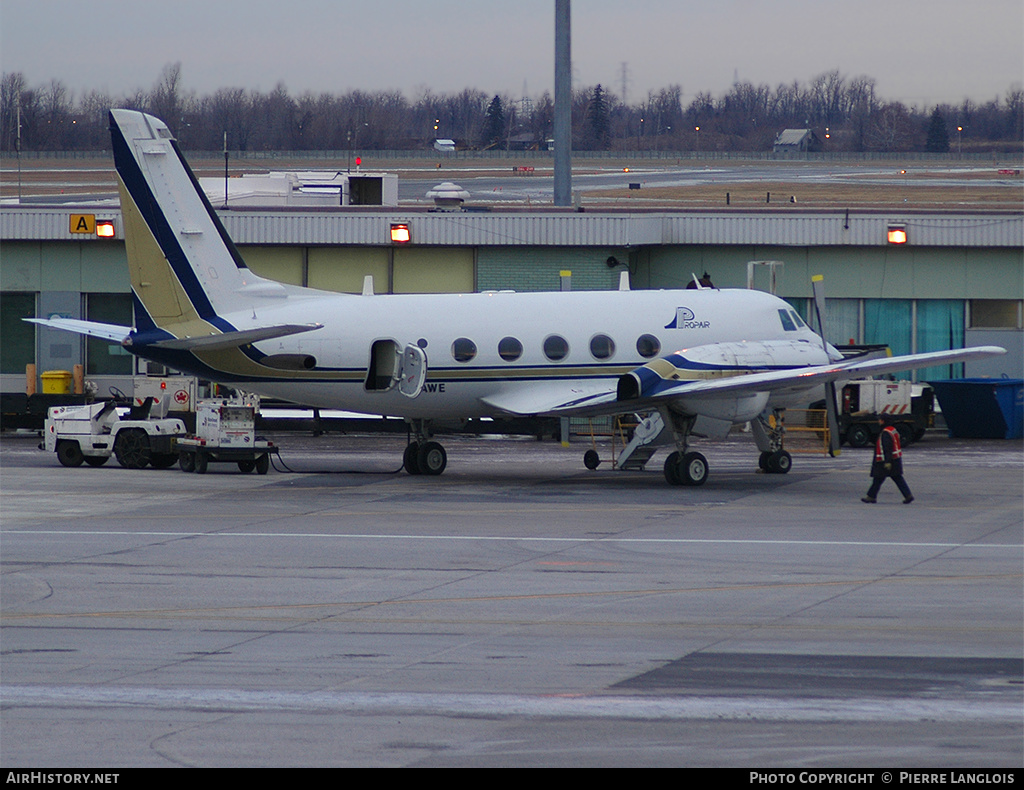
(591,459)
(431,458)
(409,458)
(687,469)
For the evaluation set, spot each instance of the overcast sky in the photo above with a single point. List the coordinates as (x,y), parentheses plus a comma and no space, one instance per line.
(919,51)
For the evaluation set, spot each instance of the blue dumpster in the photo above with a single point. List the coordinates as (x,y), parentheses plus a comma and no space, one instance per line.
(982,408)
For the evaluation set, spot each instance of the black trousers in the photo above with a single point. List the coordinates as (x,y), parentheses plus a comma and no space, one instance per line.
(901,484)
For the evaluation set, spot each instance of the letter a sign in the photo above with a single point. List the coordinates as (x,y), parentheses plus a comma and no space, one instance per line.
(83,223)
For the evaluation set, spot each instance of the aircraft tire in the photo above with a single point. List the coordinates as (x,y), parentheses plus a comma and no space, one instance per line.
(410,458)
(69,453)
(672,469)
(693,469)
(780,462)
(431,458)
(762,460)
(591,459)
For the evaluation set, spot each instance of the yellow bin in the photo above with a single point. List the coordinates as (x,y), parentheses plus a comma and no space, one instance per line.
(56,382)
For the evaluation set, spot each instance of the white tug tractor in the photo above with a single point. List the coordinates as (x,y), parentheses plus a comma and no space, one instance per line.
(94,432)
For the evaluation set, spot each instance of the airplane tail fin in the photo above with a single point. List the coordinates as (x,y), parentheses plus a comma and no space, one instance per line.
(186,273)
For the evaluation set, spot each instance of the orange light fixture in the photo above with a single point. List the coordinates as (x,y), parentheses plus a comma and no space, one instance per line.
(400,233)
(105,228)
(897,234)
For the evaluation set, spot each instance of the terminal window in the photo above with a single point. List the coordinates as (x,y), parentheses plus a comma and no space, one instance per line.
(19,337)
(996,313)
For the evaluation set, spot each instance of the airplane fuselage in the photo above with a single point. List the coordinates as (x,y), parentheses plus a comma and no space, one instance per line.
(482,349)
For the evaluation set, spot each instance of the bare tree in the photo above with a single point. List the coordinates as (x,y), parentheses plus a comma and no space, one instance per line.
(12,88)
(890,129)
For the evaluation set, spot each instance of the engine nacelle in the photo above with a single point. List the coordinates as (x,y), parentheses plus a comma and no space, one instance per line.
(714,361)
(289,361)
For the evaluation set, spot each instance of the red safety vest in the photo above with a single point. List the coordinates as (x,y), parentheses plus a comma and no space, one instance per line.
(897,452)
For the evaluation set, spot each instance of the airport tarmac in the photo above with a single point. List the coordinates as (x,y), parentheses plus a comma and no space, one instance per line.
(519,610)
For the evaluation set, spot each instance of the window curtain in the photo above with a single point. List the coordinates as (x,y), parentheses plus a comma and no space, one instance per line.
(940,326)
(889,322)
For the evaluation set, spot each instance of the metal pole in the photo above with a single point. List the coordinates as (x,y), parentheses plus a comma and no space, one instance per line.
(17,145)
(563,105)
(225,168)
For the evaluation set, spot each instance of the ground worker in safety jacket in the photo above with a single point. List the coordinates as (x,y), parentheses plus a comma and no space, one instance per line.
(888,463)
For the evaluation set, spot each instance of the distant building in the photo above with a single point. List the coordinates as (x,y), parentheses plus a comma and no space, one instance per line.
(798,141)
(523,142)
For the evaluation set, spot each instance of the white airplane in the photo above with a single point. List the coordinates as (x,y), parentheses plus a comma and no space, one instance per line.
(703,359)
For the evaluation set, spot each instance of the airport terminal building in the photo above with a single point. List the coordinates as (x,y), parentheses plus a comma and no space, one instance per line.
(915,281)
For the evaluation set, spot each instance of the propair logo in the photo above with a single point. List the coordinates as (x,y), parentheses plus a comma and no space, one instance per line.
(685,319)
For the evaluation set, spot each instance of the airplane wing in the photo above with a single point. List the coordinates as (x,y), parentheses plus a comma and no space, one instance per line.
(665,391)
(551,396)
(232,339)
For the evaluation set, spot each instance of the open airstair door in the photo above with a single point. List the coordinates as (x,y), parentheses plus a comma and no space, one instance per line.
(414,371)
(391,366)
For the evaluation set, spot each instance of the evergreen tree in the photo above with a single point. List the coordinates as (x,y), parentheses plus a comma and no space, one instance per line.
(494,123)
(597,120)
(938,136)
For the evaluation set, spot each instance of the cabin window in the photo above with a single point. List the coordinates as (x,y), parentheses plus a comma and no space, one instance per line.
(602,347)
(648,346)
(787,322)
(556,348)
(510,349)
(463,349)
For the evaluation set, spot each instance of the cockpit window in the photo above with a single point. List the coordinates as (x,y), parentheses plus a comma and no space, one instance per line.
(796,317)
(787,322)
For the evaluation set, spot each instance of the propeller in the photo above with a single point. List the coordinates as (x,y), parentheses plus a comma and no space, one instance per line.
(818,287)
